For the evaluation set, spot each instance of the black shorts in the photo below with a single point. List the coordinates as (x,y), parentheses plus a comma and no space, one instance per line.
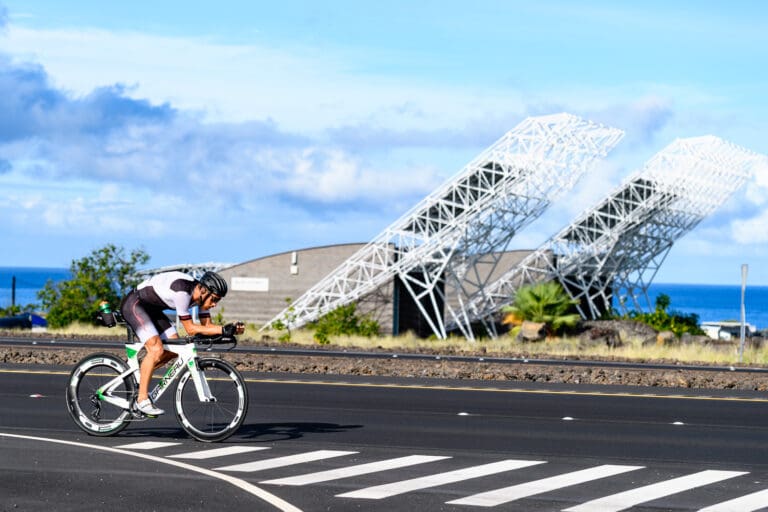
(146,320)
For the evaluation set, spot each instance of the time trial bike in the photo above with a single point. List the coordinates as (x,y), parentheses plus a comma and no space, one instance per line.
(210,399)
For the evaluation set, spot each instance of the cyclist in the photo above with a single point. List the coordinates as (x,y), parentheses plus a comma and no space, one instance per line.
(144,310)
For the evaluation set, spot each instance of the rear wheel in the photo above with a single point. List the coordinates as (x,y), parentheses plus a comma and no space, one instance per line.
(85,398)
(219,419)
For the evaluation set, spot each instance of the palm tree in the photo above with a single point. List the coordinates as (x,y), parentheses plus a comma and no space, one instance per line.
(545,303)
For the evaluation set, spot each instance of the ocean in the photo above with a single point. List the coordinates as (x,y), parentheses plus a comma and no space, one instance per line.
(29,281)
(714,303)
(710,302)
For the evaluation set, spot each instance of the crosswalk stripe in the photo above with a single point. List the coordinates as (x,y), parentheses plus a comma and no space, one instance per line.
(349,471)
(395,488)
(146,445)
(218,452)
(613,503)
(628,499)
(516,492)
(289,460)
(747,503)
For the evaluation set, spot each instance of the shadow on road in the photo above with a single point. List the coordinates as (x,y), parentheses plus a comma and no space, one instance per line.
(157,432)
(264,432)
(258,432)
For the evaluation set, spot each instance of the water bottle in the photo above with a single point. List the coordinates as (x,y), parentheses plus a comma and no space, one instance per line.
(107,317)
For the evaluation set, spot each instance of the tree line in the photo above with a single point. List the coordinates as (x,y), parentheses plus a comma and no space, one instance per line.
(108,273)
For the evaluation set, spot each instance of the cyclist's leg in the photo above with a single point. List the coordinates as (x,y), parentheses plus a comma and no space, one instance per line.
(154,348)
(147,323)
(155,357)
(168,332)
(166,356)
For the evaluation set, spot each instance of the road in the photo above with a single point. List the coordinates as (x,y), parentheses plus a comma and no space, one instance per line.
(398,445)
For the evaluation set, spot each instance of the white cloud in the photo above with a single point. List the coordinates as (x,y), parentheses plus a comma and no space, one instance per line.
(751,231)
(304,90)
(106,136)
(78,209)
(334,176)
(757,188)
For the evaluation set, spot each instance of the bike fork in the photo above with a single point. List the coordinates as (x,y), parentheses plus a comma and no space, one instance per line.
(201,384)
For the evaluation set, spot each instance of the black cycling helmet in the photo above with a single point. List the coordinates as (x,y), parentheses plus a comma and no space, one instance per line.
(214,283)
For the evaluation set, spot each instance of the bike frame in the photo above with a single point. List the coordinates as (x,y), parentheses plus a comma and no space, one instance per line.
(186,357)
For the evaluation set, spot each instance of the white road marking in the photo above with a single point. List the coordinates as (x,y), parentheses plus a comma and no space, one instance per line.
(384,491)
(747,503)
(629,499)
(273,500)
(516,492)
(289,460)
(218,452)
(146,445)
(350,471)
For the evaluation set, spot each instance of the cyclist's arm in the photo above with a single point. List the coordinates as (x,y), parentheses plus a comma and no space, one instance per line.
(205,319)
(205,327)
(208,328)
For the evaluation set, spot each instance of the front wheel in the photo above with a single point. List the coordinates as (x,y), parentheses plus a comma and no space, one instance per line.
(218,419)
(93,391)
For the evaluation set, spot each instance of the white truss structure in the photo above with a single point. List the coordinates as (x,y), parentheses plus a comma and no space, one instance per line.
(466,223)
(196,270)
(617,246)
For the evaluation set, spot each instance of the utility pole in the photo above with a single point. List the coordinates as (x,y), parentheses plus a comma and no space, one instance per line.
(744,269)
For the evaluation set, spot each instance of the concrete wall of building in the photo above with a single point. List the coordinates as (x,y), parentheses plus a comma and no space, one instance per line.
(259,288)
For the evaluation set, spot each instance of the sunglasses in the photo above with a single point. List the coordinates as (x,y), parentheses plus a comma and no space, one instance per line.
(214,298)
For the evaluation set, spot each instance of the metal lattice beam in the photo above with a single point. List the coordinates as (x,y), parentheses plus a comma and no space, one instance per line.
(196,270)
(465,222)
(619,244)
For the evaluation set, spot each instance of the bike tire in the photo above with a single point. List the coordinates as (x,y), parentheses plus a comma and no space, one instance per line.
(212,421)
(89,412)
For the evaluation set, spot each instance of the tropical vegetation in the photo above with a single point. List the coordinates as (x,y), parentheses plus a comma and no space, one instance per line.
(344,321)
(663,320)
(545,302)
(105,274)
(16,309)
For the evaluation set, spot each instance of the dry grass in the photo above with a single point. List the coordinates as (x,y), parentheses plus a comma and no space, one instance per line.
(635,350)
(84,330)
(556,348)
(505,346)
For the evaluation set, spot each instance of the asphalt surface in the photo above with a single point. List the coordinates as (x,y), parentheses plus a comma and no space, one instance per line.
(654,436)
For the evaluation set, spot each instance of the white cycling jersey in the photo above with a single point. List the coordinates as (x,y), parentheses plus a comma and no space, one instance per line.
(171,290)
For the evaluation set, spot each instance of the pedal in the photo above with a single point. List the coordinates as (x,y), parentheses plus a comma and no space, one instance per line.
(137,415)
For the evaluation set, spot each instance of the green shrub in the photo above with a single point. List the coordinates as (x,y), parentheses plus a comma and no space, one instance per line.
(106,274)
(344,320)
(284,324)
(544,302)
(17,309)
(661,320)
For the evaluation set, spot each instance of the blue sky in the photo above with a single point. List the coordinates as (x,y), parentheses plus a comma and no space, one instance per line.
(227,131)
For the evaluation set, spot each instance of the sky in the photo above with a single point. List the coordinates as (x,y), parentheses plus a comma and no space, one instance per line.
(232,130)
